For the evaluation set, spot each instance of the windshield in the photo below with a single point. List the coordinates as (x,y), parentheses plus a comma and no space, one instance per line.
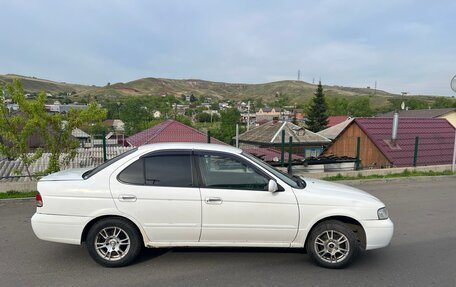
(293,181)
(93,171)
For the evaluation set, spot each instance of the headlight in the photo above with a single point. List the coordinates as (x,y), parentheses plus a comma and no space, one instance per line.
(382,213)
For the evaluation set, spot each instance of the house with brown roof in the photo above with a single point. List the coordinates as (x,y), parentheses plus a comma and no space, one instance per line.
(333,131)
(269,135)
(169,131)
(449,114)
(379,150)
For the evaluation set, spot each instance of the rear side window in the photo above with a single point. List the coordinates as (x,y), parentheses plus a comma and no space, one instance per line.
(173,169)
(169,170)
(134,173)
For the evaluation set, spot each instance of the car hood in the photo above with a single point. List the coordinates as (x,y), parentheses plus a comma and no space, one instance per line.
(336,190)
(66,175)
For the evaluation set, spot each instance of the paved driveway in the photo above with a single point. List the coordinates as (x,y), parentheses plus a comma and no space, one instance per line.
(422,252)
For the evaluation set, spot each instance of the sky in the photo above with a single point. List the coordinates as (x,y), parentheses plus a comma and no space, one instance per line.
(403,46)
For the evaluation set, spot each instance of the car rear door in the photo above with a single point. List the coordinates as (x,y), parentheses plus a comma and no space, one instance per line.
(160,192)
(238,209)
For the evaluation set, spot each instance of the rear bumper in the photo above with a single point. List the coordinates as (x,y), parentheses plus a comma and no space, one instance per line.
(59,228)
(378,233)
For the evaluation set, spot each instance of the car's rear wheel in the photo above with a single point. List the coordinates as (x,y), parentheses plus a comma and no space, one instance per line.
(113,242)
(332,244)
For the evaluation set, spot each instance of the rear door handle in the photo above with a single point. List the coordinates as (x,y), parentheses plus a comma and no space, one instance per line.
(213,200)
(127,197)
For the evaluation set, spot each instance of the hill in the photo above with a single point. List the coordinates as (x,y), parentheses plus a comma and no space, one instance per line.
(295,91)
(35,85)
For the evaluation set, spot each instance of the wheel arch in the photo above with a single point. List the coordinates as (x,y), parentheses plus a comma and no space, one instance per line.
(89,225)
(352,223)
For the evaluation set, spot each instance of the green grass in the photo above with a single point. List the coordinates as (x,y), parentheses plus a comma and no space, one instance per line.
(17,194)
(405,173)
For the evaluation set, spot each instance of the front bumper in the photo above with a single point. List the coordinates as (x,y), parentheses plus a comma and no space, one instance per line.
(59,228)
(378,233)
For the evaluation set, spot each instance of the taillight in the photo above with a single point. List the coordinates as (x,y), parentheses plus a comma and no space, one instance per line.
(39,200)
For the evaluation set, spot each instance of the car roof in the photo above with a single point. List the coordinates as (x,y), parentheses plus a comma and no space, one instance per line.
(189,146)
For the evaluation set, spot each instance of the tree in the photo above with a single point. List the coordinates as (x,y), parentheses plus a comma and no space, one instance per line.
(57,132)
(134,114)
(17,128)
(360,107)
(443,102)
(185,120)
(54,129)
(228,120)
(410,102)
(338,106)
(317,115)
(204,117)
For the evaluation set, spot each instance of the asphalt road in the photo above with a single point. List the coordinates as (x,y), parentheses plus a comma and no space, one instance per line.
(422,252)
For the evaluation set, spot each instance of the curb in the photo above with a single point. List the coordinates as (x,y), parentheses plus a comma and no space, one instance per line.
(394,180)
(17,199)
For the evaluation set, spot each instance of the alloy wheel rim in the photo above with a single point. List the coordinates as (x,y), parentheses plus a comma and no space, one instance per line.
(332,246)
(112,243)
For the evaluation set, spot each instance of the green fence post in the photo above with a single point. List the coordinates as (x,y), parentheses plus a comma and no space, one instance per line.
(208,136)
(104,146)
(282,150)
(415,153)
(358,145)
(290,154)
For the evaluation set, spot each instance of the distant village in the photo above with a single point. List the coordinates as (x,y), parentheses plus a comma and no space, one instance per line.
(278,135)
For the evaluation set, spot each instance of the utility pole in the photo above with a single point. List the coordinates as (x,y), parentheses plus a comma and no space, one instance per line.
(299,75)
(248,115)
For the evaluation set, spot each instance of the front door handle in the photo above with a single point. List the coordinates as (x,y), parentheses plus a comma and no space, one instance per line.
(213,200)
(127,197)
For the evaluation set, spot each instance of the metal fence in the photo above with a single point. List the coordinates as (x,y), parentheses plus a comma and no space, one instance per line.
(15,170)
(407,152)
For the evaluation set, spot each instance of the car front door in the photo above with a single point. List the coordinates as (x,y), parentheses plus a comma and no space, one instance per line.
(159,190)
(238,209)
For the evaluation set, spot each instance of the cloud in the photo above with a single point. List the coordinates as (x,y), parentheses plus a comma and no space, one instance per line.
(403,45)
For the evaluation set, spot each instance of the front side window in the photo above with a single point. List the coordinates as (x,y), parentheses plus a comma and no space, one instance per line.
(160,170)
(227,172)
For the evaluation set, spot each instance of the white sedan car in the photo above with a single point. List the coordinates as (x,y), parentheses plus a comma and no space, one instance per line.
(188,194)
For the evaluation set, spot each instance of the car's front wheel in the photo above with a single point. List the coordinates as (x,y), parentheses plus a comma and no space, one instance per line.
(113,242)
(332,244)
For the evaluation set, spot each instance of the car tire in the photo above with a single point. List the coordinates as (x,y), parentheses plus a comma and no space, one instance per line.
(113,242)
(332,244)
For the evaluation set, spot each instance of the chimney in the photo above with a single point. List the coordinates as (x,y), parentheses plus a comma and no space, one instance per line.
(394,130)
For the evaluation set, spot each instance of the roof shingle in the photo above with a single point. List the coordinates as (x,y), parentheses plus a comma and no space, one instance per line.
(436,139)
(425,113)
(270,133)
(169,131)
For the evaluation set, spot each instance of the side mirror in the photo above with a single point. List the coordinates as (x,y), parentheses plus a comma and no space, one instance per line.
(272,186)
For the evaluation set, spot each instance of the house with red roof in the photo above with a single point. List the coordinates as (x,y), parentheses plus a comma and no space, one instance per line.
(378,150)
(334,120)
(449,114)
(169,131)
